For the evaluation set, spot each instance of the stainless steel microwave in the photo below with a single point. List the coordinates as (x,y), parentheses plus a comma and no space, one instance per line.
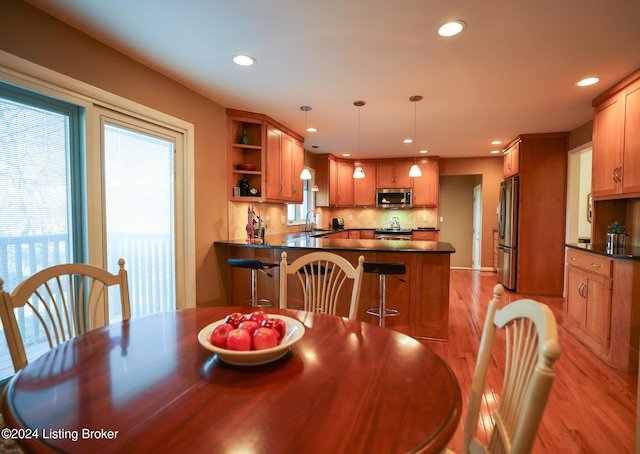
(394,198)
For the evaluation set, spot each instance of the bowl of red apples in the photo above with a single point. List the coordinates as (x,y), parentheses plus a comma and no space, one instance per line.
(251,339)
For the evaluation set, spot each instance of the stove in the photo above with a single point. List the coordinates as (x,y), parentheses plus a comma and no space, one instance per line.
(388,233)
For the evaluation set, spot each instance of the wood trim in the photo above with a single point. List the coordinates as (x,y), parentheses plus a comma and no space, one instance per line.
(614,89)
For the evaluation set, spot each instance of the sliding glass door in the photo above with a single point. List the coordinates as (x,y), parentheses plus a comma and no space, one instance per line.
(139,205)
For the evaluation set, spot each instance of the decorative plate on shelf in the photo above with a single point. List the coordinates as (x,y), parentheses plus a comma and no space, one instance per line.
(246,167)
(294,332)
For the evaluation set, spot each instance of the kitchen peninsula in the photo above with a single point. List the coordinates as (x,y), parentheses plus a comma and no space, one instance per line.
(423,299)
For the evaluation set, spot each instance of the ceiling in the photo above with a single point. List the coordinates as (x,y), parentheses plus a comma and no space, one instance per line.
(513,70)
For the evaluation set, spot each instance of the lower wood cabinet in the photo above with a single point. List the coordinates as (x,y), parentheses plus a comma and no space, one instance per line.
(422,299)
(424,235)
(602,306)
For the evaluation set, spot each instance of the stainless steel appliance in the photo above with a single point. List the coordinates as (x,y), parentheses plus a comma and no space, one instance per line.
(508,233)
(385,233)
(394,198)
(337,223)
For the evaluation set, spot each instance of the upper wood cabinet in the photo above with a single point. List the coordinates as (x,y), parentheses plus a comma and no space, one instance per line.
(394,173)
(616,141)
(245,156)
(284,162)
(364,189)
(426,188)
(264,159)
(511,161)
(334,178)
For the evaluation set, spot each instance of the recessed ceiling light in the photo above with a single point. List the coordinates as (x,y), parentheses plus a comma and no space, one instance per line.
(346,155)
(311,129)
(495,151)
(496,142)
(424,151)
(451,28)
(244,60)
(407,141)
(588,81)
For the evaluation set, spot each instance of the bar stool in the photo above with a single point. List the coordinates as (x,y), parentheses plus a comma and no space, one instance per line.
(384,270)
(254,266)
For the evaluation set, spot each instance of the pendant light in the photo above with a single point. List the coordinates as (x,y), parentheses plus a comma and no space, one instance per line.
(358,172)
(305,174)
(415,171)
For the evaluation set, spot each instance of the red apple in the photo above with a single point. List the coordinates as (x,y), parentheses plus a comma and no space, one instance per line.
(264,338)
(249,325)
(258,316)
(219,335)
(235,319)
(276,324)
(239,340)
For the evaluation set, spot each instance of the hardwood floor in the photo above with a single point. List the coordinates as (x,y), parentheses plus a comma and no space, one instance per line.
(592,407)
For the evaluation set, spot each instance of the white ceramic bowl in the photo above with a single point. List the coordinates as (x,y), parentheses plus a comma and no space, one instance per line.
(294,332)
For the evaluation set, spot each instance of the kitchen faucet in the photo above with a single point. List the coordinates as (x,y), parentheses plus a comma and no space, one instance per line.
(308,223)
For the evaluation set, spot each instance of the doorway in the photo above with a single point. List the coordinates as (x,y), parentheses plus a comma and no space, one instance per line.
(477,226)
(578,226)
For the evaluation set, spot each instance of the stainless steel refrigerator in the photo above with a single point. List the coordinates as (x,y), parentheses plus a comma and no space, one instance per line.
(508,233)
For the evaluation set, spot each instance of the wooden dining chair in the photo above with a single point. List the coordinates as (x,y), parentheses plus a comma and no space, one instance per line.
(322,276)
(528,349)
(66,300)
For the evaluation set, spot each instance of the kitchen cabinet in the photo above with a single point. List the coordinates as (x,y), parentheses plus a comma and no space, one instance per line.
(340,235)
(284,162)
(602,306)
(394,173)
(511,161)
(616,141)
(542,163)
(245,139)
(354,234)
(334,178)
(367,234)
(364,189)
(426,188)
(588,299)
(424,235)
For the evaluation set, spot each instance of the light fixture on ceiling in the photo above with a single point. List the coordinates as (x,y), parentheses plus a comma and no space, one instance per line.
(452,28)
(306,109)
(588,81)
(415,171)
(244,60)
(358,172)
(305,174)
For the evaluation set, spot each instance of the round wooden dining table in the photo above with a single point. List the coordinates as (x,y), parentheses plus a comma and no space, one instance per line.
(147,385)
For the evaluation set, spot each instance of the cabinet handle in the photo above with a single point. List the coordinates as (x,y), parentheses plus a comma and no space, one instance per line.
(596,265)
(575,259)
(581,289)
(618,174)
(613,174)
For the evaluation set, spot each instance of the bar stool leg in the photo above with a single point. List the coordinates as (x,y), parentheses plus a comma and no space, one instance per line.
(254,288)
(383,300)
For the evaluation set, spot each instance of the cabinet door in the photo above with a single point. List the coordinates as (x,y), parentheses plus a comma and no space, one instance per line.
(333,182)
(598,316)
(298,165)
(402,178)
(386,175)
(631,158)
(607,146)
(511,161)
(286,167)
(273,184)
(364,189)
(426,187)
(345,183)
(576,303)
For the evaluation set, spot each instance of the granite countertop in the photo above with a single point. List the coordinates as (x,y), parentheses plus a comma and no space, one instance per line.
(630,252)
(308,241)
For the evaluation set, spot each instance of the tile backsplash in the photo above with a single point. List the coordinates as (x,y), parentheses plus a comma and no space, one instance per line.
(354,218)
